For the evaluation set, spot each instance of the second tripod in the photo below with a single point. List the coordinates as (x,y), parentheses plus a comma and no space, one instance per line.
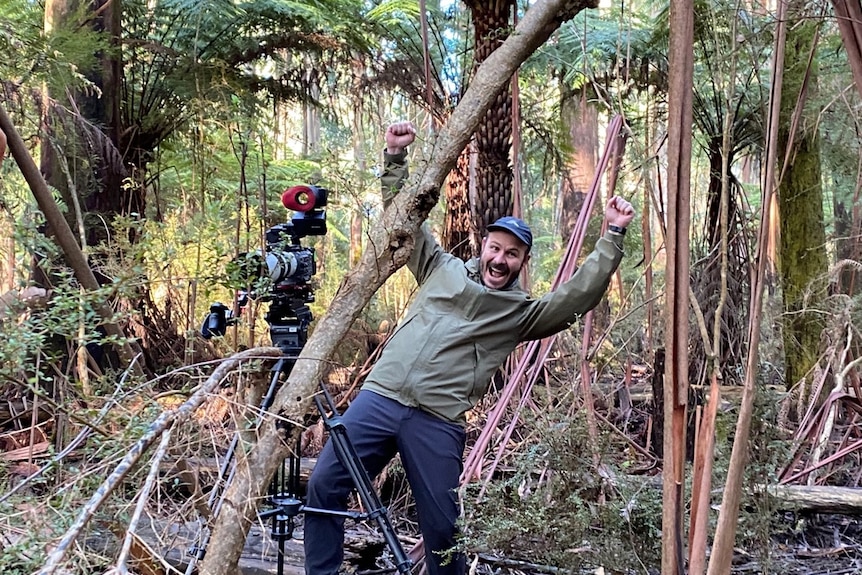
(286,503)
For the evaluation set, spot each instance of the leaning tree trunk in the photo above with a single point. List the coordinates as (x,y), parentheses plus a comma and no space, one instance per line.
(802,246)
(389,247)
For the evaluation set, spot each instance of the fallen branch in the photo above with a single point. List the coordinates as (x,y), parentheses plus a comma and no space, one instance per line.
(521,565)
(152,478)
(817,498)
(163,422)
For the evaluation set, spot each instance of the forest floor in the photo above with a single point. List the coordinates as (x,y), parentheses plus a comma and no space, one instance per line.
(814,545)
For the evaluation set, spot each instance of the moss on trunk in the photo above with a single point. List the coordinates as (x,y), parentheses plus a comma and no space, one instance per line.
(802,249)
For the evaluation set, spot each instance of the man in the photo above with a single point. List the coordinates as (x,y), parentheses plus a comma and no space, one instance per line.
(465,320)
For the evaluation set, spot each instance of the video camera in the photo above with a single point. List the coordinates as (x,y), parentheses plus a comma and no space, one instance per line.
(281,272)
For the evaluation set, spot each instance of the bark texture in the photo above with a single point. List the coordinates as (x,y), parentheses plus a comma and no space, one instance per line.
(493,134)
(802,247)
(681,59)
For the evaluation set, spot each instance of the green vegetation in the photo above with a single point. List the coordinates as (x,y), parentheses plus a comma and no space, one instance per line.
(167,135)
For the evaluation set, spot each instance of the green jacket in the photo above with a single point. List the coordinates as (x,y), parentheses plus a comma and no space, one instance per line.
(457,332)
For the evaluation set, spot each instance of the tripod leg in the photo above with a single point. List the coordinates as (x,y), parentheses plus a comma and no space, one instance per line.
(228,467)
(350,460)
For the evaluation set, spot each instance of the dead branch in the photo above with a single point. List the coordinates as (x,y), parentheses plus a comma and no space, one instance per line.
(163,422)
(143,496)
(521,565)
(818,498)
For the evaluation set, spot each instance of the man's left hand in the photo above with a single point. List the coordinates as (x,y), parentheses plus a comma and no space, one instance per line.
(619,212)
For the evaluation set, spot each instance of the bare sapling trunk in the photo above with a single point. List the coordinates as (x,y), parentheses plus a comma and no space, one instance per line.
(725,531)
(681,58)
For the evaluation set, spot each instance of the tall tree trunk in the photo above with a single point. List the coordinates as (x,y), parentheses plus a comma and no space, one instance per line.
(80,154)
(847,213)
(491,25)
(580,119)
(76,158)
(848,222)
(681,60)
(802,246)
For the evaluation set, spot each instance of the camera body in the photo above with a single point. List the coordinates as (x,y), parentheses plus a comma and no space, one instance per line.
(281,272)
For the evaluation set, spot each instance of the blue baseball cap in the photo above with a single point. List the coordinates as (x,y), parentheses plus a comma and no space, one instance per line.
(515,226)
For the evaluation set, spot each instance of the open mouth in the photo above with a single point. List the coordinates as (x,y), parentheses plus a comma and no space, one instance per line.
(497,275)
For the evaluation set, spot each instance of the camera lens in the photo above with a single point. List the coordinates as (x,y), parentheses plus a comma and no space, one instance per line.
(281,265)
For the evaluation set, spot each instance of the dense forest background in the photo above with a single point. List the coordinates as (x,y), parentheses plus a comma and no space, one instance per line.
(149,144)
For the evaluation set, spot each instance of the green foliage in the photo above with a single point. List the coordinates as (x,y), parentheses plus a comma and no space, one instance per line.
(62,60)
(42,331)
(555,509)
(597,49)
(25,555)
(769,450)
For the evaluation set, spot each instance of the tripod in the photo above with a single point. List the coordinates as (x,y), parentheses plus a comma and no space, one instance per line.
(289,318)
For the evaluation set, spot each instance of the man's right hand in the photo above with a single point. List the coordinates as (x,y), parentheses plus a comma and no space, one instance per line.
(398,136)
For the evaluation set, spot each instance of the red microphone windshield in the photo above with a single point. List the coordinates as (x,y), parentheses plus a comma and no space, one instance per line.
(299,198)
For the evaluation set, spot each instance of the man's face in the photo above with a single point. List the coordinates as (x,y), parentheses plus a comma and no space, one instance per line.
(501,259)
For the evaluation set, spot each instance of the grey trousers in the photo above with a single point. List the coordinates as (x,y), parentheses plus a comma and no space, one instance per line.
(431,451)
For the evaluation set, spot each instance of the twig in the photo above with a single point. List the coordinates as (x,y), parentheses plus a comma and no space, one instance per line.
(165,420)
(518,564)
(143,496)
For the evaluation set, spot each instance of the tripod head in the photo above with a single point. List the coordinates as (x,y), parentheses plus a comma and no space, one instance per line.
(288,320)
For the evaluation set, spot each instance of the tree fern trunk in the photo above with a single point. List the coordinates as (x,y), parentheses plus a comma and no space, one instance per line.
(458,228)
(491,24)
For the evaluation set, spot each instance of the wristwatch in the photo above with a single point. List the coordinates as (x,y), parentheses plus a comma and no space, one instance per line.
(617,229)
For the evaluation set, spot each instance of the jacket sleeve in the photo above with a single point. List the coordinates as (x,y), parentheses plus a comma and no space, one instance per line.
(427,253)
(559,309)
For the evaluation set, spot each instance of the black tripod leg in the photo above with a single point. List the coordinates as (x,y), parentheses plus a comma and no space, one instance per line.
(228,468)
(348,457)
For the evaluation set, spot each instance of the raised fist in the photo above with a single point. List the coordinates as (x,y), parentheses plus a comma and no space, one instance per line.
(398,136)
(619,212)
